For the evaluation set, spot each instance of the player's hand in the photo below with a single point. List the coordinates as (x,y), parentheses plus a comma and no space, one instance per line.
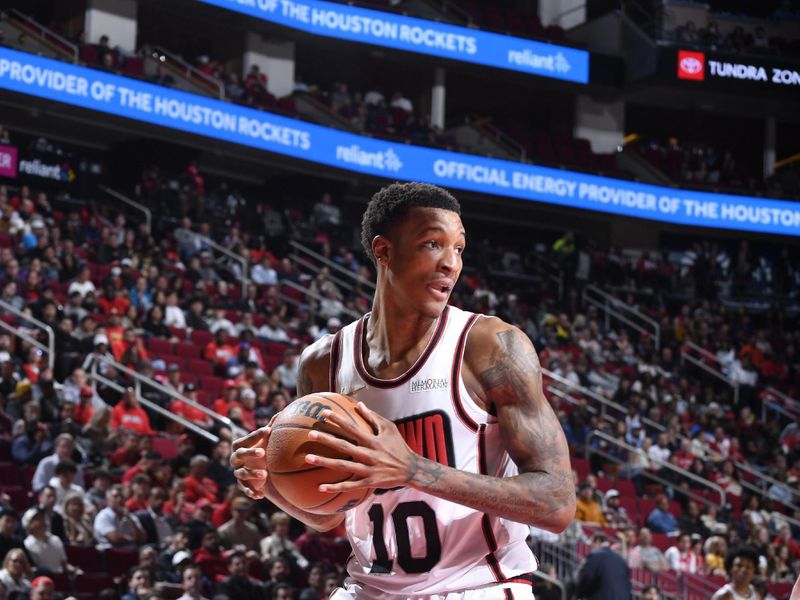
(379,460)
(248,462)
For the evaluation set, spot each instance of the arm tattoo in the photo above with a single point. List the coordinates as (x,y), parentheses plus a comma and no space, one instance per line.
(423,471)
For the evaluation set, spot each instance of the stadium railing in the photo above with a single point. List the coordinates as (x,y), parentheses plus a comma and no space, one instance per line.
(148,215)
(49,348)
(45,36)
(706,361)
(615,308)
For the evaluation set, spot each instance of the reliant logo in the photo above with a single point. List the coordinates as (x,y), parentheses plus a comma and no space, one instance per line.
(384,161)
(691,65)
(39,169)
(556,63)
(431,384)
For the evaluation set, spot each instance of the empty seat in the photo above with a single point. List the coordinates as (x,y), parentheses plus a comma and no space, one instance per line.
(87,558)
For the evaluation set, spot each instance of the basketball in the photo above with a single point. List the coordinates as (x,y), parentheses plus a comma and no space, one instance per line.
(292,476)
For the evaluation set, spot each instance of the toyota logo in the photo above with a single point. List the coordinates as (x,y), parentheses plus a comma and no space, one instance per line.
(689,64)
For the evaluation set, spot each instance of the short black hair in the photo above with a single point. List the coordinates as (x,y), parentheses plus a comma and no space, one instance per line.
(391,204)
(65,466)
(748,552)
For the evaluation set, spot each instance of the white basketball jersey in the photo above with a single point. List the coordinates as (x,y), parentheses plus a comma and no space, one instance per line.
(408,542)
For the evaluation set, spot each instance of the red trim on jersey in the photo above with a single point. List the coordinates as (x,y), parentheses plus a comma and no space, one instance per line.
(401,379)
(455,384)
(509,594)
(336,351)
(486,524)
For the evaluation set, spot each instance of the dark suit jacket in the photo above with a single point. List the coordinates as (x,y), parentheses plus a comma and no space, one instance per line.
(149,526)
(604,576)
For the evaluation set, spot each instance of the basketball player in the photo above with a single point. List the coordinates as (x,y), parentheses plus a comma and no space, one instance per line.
(467,451)
(741,564)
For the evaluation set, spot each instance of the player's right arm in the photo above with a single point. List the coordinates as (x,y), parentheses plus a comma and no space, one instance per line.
(249,451)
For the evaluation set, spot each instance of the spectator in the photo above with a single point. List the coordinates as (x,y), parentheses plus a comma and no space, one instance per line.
(279,571)
(197,484)
(315,581)
(83,284)
(100,486)
(77,524)
(32,445)
(237,584)
(127,414)
(278,543)
(45,549)
(715,548)
(588,509)
(645,555)
(140,584)
(264,274)
(615,515)
(287,370)
(43,588)
(660,520)
(192,584)
(140,490)
(650,593)
(173,314)
(209,557)
(274,331)
(740,564)
(239,532)
(156,527)
(8,531)
(63,482)
(604,574)
(681,558)
(15,574)
(114,526)
(46,501)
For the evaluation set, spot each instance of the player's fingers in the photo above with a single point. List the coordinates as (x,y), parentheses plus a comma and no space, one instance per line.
(243,455)
(344,486)
(369,416)
(341,445)
(251,439)
(337,464)
(245,474)
(250,492)
(355,432)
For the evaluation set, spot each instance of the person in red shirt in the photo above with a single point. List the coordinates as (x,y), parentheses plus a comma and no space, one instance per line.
(209,557)
(112,300)
(189,412)
(219,351)
(140,490)
(248,405)
(148,464)
(84,409)
(128,452)
(197,484)
(115,333)
(127,414)
(684,455)
(229,398)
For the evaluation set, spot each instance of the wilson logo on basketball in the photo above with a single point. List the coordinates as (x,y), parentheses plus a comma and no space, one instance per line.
(307,408)
(691,65)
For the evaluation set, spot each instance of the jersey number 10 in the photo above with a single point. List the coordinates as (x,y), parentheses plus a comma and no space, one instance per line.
(400,516)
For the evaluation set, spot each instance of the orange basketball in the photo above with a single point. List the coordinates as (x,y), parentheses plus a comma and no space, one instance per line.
(292,476)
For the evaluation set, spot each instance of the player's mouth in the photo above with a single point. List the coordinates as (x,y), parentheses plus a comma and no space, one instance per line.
(440,290)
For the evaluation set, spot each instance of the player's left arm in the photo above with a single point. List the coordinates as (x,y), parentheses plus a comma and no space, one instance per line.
(506,374)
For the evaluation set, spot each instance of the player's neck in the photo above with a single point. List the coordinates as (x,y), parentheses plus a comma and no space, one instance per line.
(394,331)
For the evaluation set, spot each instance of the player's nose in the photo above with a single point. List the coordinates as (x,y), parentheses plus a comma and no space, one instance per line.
(448,261)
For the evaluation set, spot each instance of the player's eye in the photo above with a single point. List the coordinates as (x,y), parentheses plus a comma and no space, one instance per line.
(460,249)
(431,244)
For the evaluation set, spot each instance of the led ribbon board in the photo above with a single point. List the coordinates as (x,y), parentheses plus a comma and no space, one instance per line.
(379,28)
(150,103)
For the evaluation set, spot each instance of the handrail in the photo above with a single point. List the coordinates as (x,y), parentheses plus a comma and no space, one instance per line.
(329,263)
(615,307)
(142,379)
(572,400)
(788,403)
(500,136)
(553,580)
(245,276)
(718,373)
(93,374)
(314,295)
(191,72)
(302,262)
(766,479)
(767,406)
(682,472)
(605,402)
(45,34)
(51,336)
(148,215)
(546,267)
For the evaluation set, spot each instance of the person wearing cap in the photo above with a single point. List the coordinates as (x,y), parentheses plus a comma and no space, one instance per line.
(189,412)
(197,484)
(114,526)
(616,516)
(239,531)
(127,414)
(63,449)
(45,549)
(588,510)
(42,588)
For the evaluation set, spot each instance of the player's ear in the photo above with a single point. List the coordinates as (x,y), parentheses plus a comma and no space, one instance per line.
(381,248)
